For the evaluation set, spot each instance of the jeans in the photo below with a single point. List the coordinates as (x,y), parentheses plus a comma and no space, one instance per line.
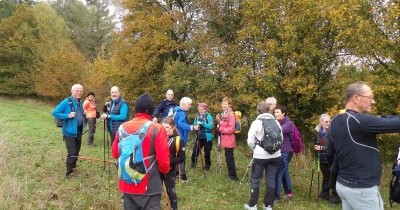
(283,176)
(270,167)
(359,198)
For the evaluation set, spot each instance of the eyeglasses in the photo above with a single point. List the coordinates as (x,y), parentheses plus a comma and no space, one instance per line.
(371,97)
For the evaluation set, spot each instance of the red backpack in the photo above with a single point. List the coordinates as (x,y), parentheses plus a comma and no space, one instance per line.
(297,143)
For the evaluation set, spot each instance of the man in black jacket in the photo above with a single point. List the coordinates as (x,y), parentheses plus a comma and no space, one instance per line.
(353,138)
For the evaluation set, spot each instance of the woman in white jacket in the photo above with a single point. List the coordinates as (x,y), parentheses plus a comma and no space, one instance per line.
(262,160)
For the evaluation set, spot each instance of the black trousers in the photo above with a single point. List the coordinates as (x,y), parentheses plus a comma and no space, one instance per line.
(139,202)
(169,180)
(230,162)
(112,136)
(73,145)
(200,143)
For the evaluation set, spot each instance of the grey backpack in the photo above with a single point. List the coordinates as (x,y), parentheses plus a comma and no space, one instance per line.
(272,139)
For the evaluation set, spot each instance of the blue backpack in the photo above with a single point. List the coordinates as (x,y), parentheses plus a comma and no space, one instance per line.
(131,166)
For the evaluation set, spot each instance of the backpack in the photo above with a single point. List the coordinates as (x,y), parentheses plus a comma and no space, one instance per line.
(297,143)
(238,122)
(272,139)
(394,190)
(59,122)
(131,166)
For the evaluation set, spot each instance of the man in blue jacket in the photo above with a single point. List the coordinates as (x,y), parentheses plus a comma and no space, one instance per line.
(356,156)
(183,128)
(116,112)
(72,126)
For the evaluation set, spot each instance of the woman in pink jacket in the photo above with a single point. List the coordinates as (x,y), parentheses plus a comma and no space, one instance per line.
(226,127)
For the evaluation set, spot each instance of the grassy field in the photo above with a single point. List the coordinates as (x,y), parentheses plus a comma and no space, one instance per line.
(32,171)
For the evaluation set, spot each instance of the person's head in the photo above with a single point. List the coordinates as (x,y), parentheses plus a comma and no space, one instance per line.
(170,95)
(324,121)
(359,97)
(226,103)
(185,103)
(76,91)
(115,92)
(280,112)
(91,95)
(144,104)
(263,107)
(169,125)
(202,108)
(272,102)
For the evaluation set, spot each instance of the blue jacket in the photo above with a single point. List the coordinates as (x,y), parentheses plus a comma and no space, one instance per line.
(119,114)
(182,124)
(62,110)
(208,125)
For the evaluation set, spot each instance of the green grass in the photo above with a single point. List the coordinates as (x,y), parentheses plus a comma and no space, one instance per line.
(32,171)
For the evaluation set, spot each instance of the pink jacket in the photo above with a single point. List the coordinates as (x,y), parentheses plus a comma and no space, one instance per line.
(227,129)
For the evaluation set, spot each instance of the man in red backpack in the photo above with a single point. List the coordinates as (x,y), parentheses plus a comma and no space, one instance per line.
(147,193)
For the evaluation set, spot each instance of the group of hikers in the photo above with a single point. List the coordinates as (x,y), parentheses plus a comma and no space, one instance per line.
(150,148)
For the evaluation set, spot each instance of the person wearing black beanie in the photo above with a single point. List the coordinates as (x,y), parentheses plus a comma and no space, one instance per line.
(144,104)
(145,194)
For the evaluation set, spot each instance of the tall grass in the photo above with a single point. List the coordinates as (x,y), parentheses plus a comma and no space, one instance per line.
(32,171)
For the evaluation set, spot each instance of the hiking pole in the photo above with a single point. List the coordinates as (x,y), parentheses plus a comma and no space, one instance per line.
(166,197)
(88,128)
(312,177)
(104,145)
(318,169)
(247,170)
(94,159)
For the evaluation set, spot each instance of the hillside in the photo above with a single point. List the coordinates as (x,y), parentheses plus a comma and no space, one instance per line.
(32,171)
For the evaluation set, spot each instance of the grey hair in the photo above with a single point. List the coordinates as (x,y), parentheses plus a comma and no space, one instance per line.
(271,100)
(263,107)
(185,100)
(324,116)
(76,86)
(354,89)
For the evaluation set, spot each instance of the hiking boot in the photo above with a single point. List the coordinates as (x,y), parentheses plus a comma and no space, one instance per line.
(276,200)
(335,199)
(207,168)
(288,196)
(234,178)
(184,178)
(324,195)
(193,165)
(70,173)
(246,206)
(269,207)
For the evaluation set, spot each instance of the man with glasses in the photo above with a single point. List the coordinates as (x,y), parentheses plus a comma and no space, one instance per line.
(72,126)
(352,138)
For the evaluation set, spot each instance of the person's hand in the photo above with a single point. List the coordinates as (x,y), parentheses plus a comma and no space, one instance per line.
(155,119)
(71,115)
(318,147)
(196,127)
(106,104)
(218,117)
(104,116)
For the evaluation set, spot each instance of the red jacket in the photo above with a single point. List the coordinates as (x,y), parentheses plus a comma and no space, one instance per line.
(227,129)
(151,183)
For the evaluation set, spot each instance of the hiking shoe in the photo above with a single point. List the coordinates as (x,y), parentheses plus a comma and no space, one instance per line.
(324,195)
(276,200)
(70,173)
(234,178)
(246,206)
(335,199)
(288,196)
(193,165)
(207,168)
(269,207)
